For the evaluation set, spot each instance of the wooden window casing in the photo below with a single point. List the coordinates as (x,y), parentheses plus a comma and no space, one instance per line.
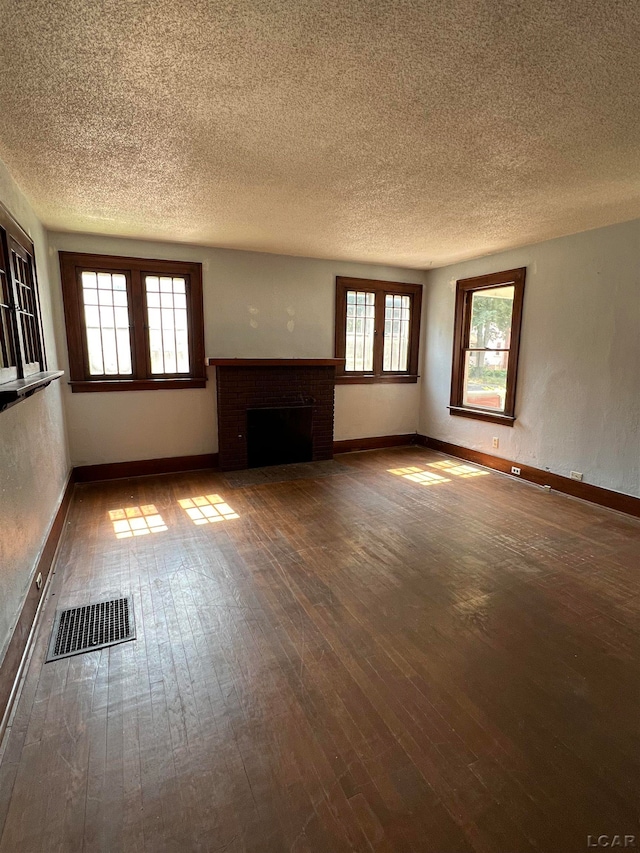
(380,290)
(22,352)
(8,357)
(135,272)
(465,289)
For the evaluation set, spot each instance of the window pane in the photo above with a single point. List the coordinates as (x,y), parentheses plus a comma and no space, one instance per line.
(155,347)
(94,345)
(107,328)
(397,314)
(485,380)
(109,350)
(168,333)
(361,314)
(7,355)
(124,350)
(491,312)
(7,350)
(182,353)
(122,318)
(28,314)
(106,317)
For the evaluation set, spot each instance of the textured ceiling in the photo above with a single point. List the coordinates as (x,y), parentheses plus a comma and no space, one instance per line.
(413,132)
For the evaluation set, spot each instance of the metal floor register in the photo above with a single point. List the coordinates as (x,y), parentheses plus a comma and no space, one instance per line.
(92,626)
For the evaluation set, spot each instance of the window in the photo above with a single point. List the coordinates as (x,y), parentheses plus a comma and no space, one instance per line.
(23,367)
(21,347)
(133,324)
(377,330)
(485,347)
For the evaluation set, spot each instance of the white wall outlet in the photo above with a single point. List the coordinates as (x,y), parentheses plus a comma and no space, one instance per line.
(576,475)
(496,441)
(39,580)
(515,470)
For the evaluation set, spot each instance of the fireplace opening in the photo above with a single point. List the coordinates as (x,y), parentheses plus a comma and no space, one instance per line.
(279,435)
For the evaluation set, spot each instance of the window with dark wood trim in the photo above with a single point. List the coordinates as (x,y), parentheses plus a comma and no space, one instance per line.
(21,340)
(132,323)
(377,330)
(486,339)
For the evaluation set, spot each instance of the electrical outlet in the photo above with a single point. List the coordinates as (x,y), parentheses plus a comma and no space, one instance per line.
(39,580)
(547,488)
(576,475)
(515,470)
(496,441)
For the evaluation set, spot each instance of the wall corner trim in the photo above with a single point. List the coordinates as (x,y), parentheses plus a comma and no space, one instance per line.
(585,491)
(18,649)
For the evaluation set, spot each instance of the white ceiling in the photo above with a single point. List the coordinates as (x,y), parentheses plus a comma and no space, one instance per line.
(411,132)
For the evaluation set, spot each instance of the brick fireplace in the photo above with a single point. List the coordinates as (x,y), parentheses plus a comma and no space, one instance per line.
(249,389)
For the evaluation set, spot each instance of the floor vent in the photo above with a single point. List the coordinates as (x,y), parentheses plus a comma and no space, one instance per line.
(93,626)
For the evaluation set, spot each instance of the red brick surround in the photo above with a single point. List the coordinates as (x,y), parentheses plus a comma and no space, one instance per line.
(241,387)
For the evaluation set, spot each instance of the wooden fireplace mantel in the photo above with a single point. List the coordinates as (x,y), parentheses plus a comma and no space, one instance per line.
(275,362)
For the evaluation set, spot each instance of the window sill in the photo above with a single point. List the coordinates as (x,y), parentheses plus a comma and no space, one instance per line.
(91,386)
(370,379)
(481,415)
(13,392)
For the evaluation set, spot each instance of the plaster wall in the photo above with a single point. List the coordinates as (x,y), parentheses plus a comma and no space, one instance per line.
(34,462)
(578,392)
(256,306)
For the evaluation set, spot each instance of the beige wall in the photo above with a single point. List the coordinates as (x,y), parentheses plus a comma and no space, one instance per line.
(578,396)
(34,462)
(256,305)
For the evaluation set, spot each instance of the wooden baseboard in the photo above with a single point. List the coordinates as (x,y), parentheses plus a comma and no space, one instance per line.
(178,464)
(585,491)
(377,442)
(17,648)
(144,467)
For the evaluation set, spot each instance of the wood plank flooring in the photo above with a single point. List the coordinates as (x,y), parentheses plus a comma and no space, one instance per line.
(441,659)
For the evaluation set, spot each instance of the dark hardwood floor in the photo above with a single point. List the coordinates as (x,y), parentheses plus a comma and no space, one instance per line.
(367,661)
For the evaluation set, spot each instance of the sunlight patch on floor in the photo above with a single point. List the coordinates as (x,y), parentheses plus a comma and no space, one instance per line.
(136,521)
(207,509)
(445,469)
(458,469)
(419,475)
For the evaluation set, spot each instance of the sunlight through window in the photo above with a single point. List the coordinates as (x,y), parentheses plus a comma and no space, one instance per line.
(458,469)
(419,475)
(207,509)
(136,521)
